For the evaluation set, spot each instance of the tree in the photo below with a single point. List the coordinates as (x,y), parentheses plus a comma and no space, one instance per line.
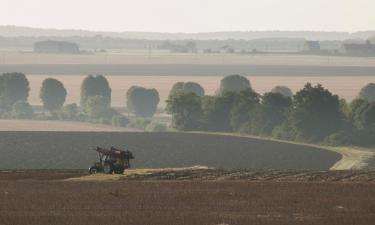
(186,111)
(14,87)
(273,111)
(69,112)
(285,91)
(234,83)
(98,107)
(187,87)
(120,121)
(244,110)
(22,110)
(217,110)
(316,113)
(141,101)
(52,94)
(367,117)
(95,86)
(368,92)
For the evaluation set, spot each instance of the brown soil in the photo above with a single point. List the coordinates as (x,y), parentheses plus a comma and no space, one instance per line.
(45,202)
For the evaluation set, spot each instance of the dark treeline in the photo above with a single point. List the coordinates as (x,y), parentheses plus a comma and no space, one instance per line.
(313,114)
(95,102)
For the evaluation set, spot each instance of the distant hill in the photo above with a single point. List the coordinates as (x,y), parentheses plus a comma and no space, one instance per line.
(15,31)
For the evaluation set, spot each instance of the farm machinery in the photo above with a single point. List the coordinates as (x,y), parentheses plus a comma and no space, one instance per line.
(111,161)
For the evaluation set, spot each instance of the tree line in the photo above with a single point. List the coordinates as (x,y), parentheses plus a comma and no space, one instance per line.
(313,114)
(95,101)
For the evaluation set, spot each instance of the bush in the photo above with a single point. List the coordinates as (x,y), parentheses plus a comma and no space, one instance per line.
(22,110)
(98,107)
(139,123)
(156,127)
(69,112)
(120,121)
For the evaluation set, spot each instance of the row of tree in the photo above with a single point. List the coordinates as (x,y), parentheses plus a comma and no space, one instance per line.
(313,114)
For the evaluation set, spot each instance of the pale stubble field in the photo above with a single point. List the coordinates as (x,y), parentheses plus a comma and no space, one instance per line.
(346,87)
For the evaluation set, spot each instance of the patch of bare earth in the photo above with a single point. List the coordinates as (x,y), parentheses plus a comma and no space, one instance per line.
(160,202)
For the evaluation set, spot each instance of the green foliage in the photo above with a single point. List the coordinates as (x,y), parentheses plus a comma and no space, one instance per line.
(234,83)
(273,112)
(141,101)
(244,110)
(140,123)
(368,92)
(120,121)
(22,110)
(95,86)
(217,111)
(186,111)
(98,107)
(285,91)
(156,127)
(52,94)
(69,112)
(316,113)
(14,87)
(187,87)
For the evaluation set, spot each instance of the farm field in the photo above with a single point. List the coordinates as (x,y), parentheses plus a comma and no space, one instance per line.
(37,125)
(345,87)
(73,150)
(129,56)
(45,198)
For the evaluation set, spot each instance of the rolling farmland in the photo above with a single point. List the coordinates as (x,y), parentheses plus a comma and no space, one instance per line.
(71,150)
(46,198)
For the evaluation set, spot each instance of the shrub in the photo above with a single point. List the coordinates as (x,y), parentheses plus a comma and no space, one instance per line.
(156,127)
(22,110)
(120,121)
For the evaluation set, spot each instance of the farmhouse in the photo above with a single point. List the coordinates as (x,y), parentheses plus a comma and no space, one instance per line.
(354,49)
(56,47)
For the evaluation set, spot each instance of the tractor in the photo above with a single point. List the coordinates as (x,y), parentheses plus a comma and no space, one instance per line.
(111,161)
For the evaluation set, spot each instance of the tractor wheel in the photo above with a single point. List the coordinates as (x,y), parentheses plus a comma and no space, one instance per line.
(93,170)
(107,168)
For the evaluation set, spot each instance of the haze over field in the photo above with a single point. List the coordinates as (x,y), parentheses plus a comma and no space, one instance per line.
(192,16)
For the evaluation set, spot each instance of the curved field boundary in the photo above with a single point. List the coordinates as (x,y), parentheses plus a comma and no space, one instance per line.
(352,158)
(71,150)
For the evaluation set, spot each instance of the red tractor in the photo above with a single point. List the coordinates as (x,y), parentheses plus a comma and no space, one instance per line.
(111,161)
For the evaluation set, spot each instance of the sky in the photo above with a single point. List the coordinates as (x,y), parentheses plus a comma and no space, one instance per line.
(191,15)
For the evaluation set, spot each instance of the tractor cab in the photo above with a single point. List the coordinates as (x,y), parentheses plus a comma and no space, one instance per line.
(111,160)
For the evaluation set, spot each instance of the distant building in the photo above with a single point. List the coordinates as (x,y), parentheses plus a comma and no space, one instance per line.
(311,46)
(56,47)
(366,49)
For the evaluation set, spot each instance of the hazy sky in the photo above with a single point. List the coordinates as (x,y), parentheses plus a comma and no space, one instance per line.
(191,15)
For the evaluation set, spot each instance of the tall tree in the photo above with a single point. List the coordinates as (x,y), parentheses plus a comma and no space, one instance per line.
(234,83)
(53,94)
(187,87)
(141,101)
(95,86)
(316,113)
(368,92)
(285,91)
(217,110)
(244,110)
(273,111)
(14,87)
(186,111)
